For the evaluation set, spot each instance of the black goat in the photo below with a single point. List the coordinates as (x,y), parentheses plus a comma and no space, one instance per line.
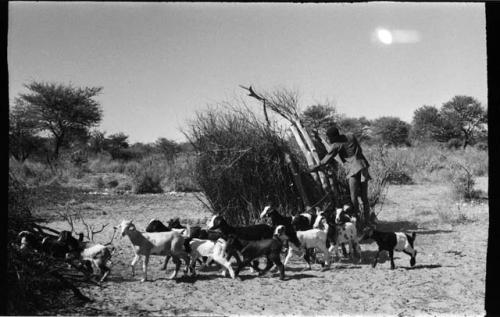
(30,240)
(156,225)
(249,233)
(251,250)
(393,241)
(277,219)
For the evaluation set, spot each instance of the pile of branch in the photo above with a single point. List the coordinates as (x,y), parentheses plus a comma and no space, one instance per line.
(285,104)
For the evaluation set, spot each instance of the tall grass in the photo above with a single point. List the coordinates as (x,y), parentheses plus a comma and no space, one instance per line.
(430,163)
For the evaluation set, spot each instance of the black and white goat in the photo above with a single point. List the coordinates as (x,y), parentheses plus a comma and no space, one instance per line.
(94,256)
(211,250)
(155,243)
(303,221)
(252,250)
(340,230)
(196,232)
(309,239)
(393,241)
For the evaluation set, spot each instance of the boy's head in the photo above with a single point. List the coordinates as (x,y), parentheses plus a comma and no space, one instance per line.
(332,133)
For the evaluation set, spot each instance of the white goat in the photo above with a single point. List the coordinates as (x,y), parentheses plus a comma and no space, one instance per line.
(155,243)
(344,233)
(212,250)
(312,238)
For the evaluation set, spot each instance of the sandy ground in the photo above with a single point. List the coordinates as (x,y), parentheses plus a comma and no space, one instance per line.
(449,277)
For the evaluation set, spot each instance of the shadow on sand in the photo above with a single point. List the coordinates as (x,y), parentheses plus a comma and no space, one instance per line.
(422,266)
(424,232)
(397,226)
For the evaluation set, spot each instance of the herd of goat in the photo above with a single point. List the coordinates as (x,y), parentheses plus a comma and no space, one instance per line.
(302,234)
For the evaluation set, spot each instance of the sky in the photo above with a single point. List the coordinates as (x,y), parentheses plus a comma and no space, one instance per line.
(160,63)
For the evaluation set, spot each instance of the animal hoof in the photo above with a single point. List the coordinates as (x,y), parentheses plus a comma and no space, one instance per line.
(412,262)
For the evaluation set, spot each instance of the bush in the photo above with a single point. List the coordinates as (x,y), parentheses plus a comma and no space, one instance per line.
(147,183)
(99,183)
(454,143)
(241,166)
(148,178)
(113,183)
(482,146)
(463,186)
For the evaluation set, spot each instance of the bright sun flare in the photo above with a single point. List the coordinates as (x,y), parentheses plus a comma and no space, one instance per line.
(384,36)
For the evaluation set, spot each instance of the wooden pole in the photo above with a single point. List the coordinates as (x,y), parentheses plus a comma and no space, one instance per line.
(298,181)
(307,154)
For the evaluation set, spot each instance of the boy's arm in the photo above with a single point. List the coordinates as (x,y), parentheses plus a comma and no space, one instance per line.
(328,157)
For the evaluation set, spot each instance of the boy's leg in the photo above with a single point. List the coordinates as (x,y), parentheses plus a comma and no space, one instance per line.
(354,190)
(364,199)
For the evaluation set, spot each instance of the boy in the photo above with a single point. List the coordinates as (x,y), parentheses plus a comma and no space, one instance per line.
(350,152)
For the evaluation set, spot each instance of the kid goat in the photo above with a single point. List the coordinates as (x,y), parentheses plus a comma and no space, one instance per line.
(313,238)
(249,233)
(155,243)
(339,233)
(251,250)
(212,250)
(393,241)
(197,232)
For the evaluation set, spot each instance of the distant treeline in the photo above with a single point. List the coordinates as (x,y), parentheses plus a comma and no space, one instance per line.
(56,119)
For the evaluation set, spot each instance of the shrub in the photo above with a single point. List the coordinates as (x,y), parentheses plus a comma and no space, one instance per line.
(482,146)
(113,183)
(463,186)
(147,182)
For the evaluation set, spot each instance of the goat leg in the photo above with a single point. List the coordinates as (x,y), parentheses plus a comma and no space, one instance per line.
(288,256)
(281,267)
(134,261)
(177,262)
(145,267)
(192,267)
(106,271)
(306,257)
(164,266)
(269,264)
(391,255)
(376,258)
(344,251)
(226,264)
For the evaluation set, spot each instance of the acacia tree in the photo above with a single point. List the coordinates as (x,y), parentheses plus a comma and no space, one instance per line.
(64,111)
(426,123)
(319,116)
(466,114)
(167,148)
(116,144)
(391,130)
(23,129)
